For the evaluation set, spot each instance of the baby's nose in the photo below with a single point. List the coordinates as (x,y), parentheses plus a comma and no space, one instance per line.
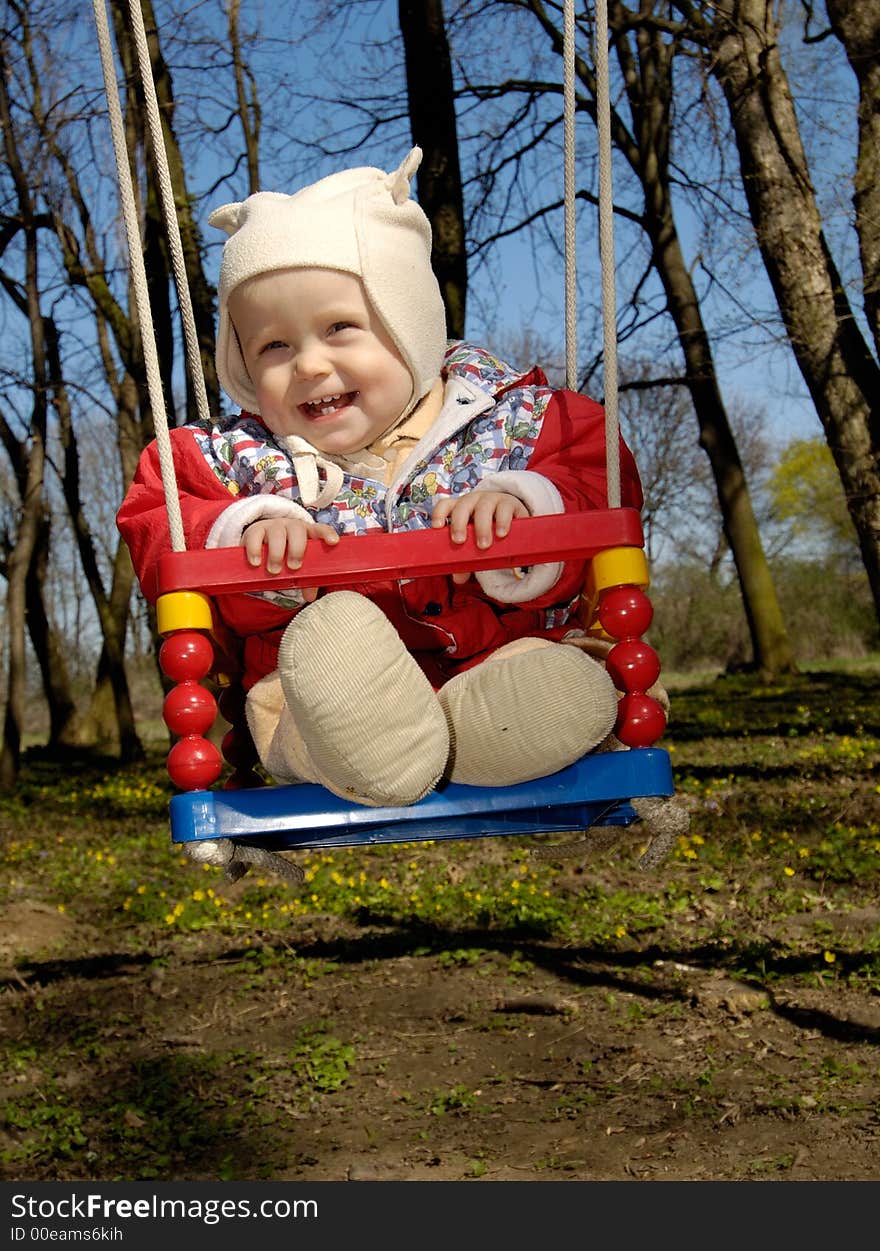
(310,362)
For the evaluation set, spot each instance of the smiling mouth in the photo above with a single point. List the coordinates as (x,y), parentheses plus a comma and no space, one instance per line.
(327,405)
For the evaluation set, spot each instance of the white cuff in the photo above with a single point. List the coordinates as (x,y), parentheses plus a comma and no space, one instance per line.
(234,520)
(541,498)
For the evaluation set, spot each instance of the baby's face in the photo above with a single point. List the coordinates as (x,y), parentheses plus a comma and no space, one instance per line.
(320,360)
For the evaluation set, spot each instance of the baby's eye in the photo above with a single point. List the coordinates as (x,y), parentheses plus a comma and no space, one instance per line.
(338,326)
(272,346)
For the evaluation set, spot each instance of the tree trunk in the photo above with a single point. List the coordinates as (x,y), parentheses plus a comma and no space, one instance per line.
(834,359)
(770,643)
(647,74)
(30,465)
(857,26)
(433,125)
(109,720)
(247,100)
(202,294)
(64,722)
(649,87)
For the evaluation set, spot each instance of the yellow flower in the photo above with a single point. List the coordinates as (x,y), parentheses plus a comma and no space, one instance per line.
(788,872)
(829,957)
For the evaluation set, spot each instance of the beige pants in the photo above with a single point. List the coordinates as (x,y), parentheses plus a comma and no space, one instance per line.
(350,708)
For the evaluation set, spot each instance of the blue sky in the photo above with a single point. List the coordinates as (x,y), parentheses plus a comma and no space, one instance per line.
(358,54)
(753,368)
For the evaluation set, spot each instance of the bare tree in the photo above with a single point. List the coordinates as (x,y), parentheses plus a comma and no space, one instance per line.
(857,26)
(740,39)
(646,56)
(433,125)
(157,257)
(247,98)
(28,456)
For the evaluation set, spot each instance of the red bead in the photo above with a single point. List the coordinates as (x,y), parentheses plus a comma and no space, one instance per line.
(189,709)
(238,748)
(231,701)
(624,611)
(186,656)
(640,720)
(633,665)
(194,763)
(243,779)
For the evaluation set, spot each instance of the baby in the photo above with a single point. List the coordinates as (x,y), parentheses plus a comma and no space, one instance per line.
(358,416)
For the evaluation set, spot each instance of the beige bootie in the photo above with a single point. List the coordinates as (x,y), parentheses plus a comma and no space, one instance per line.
(366,715)
(529,710)
(277,739)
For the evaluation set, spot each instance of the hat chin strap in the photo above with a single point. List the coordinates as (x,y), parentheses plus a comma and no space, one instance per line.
(307,460)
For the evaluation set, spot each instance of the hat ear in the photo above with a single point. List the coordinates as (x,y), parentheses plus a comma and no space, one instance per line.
(398,182)
(227,217)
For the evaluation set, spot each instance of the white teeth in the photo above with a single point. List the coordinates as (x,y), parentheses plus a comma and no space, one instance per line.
(325,404)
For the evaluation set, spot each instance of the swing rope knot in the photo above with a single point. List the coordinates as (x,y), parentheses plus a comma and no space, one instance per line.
(237,858)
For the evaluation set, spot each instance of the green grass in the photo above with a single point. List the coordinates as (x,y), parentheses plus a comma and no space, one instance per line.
(781,782)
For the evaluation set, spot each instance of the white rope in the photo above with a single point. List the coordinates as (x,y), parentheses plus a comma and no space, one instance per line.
(169,213)
(569,190)
(606,256)
(606,241)
(139,278)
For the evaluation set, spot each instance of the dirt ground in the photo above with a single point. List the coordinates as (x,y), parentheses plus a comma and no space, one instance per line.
(473,1055)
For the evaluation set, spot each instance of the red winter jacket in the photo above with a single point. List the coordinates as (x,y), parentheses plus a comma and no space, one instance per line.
(506,431)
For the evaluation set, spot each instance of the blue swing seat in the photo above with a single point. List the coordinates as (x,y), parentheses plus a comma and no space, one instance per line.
(304,816)
(595,790)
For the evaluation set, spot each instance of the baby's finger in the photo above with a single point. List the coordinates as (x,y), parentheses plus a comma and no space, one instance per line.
(252,542)
(440,510)
(508,508)
(276,545)
(320,530)
(486,511)
(459,517)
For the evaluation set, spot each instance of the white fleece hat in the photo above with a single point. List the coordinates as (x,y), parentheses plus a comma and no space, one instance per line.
(361,221)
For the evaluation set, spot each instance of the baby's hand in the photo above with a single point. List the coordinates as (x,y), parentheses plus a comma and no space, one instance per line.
(491,513)
(284,536)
